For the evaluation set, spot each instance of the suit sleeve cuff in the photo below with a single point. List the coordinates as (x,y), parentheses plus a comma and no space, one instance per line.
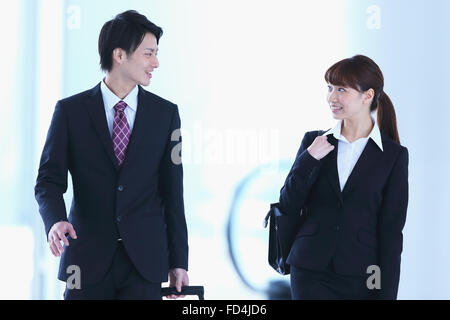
(305,165)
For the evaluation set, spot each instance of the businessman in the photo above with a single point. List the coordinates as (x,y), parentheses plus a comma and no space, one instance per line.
(126,230)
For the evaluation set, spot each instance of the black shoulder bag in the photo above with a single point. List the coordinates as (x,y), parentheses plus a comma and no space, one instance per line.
(282,231)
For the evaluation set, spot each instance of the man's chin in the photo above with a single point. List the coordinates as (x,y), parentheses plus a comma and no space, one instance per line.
(144,82)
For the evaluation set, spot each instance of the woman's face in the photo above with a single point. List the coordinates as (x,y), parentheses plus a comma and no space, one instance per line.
(348,103)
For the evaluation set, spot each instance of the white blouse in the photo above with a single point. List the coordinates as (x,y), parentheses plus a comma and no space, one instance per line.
(349,153)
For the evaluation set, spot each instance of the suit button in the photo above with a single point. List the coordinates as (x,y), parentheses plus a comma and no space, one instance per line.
(119,218)
(120,188)
(337,228)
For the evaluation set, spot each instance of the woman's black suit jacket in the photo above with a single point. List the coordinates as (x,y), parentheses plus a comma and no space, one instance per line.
(358,227)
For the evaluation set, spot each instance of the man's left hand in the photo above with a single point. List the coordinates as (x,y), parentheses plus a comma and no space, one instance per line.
(177,278)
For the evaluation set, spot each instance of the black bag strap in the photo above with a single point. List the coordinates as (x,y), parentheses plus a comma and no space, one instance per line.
(266,219)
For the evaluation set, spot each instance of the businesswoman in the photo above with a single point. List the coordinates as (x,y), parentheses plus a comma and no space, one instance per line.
(351,185)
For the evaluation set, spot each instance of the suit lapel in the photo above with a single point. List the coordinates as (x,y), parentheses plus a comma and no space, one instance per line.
(371,155)
(331,167)
(96,109)
(144,121)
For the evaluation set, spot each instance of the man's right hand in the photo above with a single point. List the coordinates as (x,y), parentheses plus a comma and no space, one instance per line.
(320,147)
(57,234)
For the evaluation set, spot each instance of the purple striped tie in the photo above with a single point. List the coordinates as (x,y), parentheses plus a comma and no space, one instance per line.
(121,132)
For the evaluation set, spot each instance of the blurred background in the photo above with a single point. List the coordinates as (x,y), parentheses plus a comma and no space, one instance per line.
(248,78)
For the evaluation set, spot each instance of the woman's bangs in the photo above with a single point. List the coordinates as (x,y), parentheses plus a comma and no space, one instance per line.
(340,74)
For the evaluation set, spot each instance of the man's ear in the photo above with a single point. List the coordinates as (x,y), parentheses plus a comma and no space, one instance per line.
(119,55)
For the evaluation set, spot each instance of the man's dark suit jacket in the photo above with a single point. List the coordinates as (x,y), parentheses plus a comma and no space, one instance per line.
(355,228)
(140,202)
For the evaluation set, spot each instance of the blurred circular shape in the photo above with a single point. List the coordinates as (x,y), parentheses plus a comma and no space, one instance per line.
(247,238)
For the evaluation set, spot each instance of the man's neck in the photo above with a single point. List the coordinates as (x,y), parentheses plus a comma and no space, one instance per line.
(118,86)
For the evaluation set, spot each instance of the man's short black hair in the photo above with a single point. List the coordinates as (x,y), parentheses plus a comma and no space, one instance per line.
(125,31)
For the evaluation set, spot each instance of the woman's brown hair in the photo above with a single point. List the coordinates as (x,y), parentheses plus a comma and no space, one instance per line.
(362,73)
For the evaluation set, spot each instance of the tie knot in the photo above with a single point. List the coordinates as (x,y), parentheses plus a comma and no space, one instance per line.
(120,106)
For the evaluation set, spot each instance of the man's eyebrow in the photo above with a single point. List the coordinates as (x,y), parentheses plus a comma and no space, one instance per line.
(151,49)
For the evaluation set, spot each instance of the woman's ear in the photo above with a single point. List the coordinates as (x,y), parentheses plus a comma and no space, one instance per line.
(368,96)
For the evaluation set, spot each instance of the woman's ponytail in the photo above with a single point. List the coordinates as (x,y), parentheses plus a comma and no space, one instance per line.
(387,121)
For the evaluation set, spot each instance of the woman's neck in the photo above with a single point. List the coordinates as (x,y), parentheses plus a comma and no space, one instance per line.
(353,130)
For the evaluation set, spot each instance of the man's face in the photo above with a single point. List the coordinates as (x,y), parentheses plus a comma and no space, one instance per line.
(138,66)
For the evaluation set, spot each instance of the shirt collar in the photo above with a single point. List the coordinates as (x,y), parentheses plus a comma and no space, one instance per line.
(110,99)
(374,134)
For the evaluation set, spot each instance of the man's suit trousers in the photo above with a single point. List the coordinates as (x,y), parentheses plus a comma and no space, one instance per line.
(121,282)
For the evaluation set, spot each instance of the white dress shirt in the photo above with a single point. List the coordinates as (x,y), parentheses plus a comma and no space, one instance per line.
(349,153)
(110,100)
